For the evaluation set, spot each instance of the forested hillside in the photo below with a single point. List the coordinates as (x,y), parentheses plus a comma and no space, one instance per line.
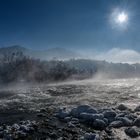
(18,67)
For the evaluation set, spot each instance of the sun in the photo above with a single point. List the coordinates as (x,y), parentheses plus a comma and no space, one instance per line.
(122,18)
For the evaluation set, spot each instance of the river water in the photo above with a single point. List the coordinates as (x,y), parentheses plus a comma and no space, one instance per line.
(99,93)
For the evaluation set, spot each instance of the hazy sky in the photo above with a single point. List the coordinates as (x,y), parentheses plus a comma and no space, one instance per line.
(78,24)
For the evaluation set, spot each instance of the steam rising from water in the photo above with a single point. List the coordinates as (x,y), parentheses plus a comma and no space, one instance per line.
(97,92)
(116,55)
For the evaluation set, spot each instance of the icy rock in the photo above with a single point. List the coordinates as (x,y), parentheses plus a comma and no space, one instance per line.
(67,119)
(137,122)
(8,127)
(74,112)
(87,117)
(137,109)
(97,116)
(116,124)
(92,111)
(15,126)
(106,120)
(24,128)
(102,110)
(122,107)
(131,116)
(132,132)
(125,121)
(121,115)
(82,109)
(99,124)
(71,125)
(75,120)
(110,115)
(6,132)
(62,113)
(89,136)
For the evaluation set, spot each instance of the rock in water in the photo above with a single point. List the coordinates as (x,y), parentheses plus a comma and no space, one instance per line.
(75,120)
(121,115)
(125,121)
(132,132)
(99,124)
(15,126)
(62,113)
(137,109)
(97,116)
(90,136)
(82,109)
(67,119)
(92,111)
(110,115)
(137,122)
(131,116)
(122,107)
(87,117)
(116,124)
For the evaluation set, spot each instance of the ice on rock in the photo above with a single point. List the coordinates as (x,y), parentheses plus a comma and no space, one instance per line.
(90,136)
(82,109)
(99,124)
(132,132)
(62,113)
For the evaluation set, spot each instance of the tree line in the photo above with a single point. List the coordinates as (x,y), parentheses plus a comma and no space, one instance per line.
(16,67)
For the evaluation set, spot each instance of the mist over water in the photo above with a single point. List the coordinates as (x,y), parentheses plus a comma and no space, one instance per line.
(96,91)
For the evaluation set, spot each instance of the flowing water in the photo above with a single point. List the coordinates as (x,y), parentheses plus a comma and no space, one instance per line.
(98,93)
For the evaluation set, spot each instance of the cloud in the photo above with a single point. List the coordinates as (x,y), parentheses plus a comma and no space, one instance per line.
(120,55)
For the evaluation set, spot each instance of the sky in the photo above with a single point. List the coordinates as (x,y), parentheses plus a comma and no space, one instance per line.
(72,24)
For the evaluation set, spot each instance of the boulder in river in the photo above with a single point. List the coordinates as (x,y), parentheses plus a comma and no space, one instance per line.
(62,113)
(122,107)
(82,109)
(116,124)
(132,132)
(90,136)
(125,121)
(87,117)
(137,122)
(110,115)
(99,124)
(137,109)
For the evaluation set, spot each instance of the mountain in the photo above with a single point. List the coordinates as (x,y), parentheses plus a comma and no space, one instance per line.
(12,49)
(49,54)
